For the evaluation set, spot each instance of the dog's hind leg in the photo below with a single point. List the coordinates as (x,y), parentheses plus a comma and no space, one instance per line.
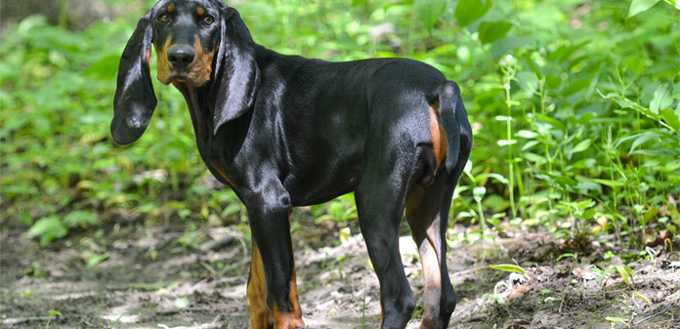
(380,197)
(427,213)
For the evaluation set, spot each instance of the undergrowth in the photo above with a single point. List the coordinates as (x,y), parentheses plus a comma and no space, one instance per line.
(574,106)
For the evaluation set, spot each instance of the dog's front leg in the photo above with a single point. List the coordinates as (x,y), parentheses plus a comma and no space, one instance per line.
(272,287)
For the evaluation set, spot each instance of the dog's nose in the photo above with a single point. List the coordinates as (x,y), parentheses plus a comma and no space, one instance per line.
(181,57)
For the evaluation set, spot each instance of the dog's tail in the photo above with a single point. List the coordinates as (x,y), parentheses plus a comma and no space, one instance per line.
(450,108)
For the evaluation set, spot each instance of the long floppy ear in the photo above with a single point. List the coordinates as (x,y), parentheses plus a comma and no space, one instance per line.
(236,73)
(134,101)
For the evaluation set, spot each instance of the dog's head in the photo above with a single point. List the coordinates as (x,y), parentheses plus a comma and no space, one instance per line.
(199,44)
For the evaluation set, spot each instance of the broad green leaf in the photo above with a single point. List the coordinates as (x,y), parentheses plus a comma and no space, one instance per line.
(638,6)
(674,3)
(581,146)
(663,97)
(585,118)
(649,215)
(626,273)
(496,203)
(564,181)
(557,124)
(563,53)
(672,118)
(469,11)
(576,86)
(503,142)
(528,81)
(528,145)
(553,81)
(499,177)
(509,268)
(104,68)
(429,11)
(535,158)
(48,229)
(588,214)
(527,134)
(508,44)
(492,31)
(96,259)
(584,204)
(642,138)
(634,63)
(231,209)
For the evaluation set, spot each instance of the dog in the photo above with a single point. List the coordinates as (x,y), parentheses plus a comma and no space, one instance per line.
(285,131)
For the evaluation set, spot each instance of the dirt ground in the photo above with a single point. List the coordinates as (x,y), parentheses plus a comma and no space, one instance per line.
(155,277)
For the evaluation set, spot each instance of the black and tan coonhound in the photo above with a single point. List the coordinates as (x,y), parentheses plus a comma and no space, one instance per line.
(286,131)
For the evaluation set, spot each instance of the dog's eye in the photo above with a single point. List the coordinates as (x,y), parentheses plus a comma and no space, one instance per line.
(164,18)
(207,20)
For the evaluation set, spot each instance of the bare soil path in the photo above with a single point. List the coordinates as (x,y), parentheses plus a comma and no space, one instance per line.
(154,277)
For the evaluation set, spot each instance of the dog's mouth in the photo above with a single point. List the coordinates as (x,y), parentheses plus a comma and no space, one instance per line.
(183,78)
(195,74)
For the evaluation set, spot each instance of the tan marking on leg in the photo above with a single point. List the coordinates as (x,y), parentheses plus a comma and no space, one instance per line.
(260,314)
(256,293)
(164,67)
(429,258)
(292,319)
(439,141)
(425,223)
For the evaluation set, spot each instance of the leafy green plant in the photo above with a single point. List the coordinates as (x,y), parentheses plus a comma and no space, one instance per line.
(638,6)
(572,255)
(613,320)
(53,313)
(53,227)
(602,275)
(478,194)
(48,229)
(509,268)
(626,273)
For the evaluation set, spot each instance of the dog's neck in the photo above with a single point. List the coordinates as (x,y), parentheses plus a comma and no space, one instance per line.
(201,113)
(231,134)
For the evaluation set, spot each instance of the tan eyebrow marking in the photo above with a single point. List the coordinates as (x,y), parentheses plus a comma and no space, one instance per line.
(200,11)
